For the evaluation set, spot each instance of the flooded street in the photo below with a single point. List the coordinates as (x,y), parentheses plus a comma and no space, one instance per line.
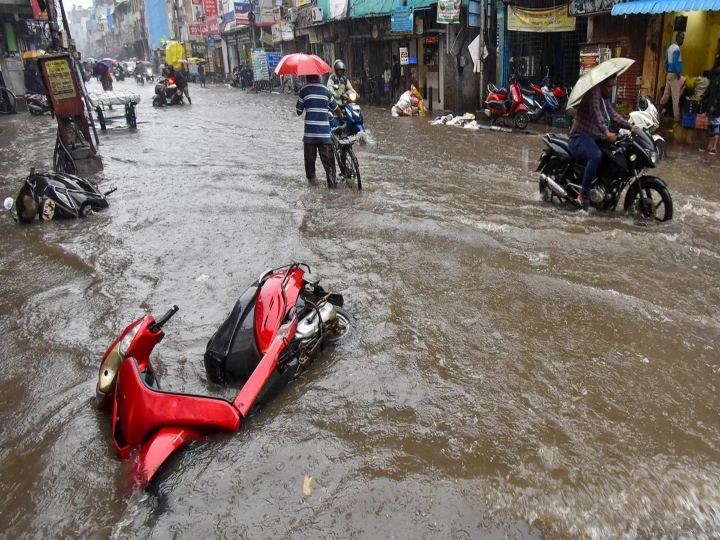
(518,370)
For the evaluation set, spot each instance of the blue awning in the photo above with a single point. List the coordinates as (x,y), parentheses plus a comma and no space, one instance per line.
(664,6)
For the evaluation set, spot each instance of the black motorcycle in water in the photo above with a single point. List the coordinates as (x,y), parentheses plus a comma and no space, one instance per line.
(625,164)
(52,195)
(167,92)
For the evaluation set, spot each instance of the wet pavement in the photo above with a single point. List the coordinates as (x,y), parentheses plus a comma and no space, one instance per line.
(518,370)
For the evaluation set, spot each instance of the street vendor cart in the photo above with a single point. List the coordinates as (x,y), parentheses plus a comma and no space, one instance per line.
(124,100)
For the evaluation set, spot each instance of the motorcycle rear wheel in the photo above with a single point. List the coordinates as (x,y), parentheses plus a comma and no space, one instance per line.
(521,119)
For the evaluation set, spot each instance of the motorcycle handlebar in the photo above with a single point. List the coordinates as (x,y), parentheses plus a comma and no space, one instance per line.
(158,324)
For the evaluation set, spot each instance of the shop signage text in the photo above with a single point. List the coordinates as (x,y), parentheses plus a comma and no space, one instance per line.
(539,20)
(401,20)
(448,12)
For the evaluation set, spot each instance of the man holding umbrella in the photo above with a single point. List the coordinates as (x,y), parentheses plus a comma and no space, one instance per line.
(595,113)
(315,100)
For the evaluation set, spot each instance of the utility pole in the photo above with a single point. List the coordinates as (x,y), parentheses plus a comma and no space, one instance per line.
(482,53)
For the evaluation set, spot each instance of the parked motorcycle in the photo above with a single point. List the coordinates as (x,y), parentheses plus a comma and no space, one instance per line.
(625,164)
(504,104)
(37,104)
(54,195)
(277,328)
(544,100)
(648,119)
(167,93)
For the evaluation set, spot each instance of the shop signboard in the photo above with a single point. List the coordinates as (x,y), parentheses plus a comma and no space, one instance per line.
(265,17)
(448,12)
(198,29)
(404,56)
(401,20)
(210,7)
(261,70)
(578,8)
(242,13)
(539,20)
(273,59)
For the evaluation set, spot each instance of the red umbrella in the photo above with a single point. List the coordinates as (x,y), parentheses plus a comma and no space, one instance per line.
(302,64)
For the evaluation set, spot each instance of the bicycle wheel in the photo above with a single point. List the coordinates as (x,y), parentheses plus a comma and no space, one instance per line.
(7,102)
(351,168)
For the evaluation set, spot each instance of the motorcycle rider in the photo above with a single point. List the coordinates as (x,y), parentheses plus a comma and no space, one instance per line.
(592,121)
(338,83)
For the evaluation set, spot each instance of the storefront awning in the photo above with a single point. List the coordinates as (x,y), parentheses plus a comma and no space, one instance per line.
(384,7)
(665,6)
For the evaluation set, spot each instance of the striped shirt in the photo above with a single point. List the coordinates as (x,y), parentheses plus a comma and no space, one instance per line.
(315,99)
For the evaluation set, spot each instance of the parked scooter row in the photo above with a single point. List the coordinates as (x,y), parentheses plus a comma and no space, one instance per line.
(523,105)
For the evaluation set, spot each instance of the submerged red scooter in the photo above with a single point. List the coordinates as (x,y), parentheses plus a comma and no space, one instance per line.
(276,329)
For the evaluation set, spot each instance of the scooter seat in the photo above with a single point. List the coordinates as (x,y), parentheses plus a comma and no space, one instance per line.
(528,91)
(140,410)
(494,89)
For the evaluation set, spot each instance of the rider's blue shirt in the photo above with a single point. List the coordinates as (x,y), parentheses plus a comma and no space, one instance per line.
(315,99)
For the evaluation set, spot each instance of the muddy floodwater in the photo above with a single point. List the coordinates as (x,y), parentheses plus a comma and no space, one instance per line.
(517,371)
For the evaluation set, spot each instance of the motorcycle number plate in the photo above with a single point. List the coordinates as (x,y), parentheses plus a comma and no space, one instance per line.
(356,108)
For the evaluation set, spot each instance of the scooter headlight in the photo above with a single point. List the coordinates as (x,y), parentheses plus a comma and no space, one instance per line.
(108,372)
(9,203)
(654,157)
(125,342)
(149,71)
(352,97)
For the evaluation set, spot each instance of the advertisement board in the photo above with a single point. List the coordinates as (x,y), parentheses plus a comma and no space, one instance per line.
(448,12)
(539,20)
(401,20)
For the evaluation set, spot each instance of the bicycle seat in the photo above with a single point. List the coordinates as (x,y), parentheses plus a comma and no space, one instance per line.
(140,410)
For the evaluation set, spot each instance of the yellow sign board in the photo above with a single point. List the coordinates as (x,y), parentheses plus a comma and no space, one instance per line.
(539,20)
(60,79)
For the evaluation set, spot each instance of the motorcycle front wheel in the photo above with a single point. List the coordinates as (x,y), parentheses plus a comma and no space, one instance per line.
(344,328)
(655,205)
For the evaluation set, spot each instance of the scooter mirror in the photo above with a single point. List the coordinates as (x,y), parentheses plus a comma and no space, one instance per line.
(8,204)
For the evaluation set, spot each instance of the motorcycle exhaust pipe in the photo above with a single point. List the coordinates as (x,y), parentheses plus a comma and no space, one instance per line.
(556,188)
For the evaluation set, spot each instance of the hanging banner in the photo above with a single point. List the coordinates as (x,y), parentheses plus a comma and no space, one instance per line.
(539,20)
(242,13)
(448,12)
(401,20)
(210,7)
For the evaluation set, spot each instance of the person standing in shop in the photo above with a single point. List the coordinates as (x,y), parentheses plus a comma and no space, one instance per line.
(674,82)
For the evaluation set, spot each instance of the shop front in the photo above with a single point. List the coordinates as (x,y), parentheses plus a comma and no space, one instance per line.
(663,19)
(539,38)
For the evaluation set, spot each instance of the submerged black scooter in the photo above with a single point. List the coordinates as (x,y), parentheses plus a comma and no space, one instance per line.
(54,195)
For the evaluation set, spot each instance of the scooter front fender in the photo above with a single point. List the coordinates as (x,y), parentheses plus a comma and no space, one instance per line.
(520,107)
(158,449)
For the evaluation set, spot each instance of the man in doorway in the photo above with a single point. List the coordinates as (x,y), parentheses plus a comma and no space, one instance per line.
(315,99)
(395,75)
(674,82)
